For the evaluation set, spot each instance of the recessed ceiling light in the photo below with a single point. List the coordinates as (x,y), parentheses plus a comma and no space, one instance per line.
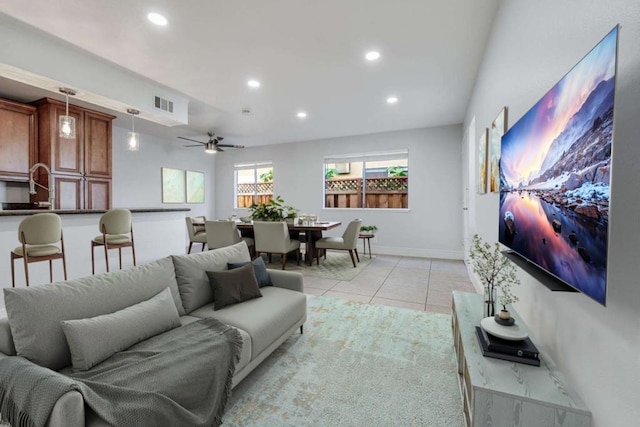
(392,100)
(253,83)
(157,19)
(372,56)
(301,114)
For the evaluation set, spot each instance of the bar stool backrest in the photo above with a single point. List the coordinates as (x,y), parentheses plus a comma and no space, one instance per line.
(116,221)
(40,229)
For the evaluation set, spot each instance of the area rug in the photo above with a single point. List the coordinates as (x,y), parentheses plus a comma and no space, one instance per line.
(337,266)
(355,365)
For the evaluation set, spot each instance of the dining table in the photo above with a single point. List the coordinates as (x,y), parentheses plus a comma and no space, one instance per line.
(312,231)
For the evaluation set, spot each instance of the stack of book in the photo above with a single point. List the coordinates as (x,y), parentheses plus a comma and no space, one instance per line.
(521,351)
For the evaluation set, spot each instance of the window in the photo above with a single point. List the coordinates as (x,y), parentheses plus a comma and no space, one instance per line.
(254,183)
(370,180)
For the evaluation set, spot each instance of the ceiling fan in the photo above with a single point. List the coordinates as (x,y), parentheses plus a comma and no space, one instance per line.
(213,145)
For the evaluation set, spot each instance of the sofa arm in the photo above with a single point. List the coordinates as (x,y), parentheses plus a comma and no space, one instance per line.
(68,411)
(287,279)
(6,340)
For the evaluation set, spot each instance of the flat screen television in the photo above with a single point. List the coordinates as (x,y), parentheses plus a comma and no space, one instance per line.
(555,169)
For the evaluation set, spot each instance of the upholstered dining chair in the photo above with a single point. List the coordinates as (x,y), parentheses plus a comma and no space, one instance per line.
(197,231)
(39,235)
(225,233)
(348,242)
(116,233)
(273,238)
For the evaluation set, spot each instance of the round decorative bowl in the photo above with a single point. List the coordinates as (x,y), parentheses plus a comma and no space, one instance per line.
(246,219)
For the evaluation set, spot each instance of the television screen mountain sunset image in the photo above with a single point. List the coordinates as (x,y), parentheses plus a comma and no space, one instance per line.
(555,168)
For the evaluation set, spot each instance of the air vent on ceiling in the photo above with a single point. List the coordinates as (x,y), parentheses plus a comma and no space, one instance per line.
(163,104)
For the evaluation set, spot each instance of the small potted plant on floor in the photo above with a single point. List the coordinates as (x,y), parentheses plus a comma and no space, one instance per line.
(368,229)
(495,271)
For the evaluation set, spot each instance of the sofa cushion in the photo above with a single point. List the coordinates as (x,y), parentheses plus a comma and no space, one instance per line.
(35,313)
(191,275)
(259,268)
(265,319)
(97,338)
(233,286)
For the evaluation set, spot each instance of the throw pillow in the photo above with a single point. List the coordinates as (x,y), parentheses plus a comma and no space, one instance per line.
(97,338)
(190,271)
(259,268)
(233,286)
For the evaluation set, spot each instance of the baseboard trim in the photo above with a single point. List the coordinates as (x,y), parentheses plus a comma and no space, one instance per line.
(419,252)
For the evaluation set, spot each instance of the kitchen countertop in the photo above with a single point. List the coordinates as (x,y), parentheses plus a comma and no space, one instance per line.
(23,212)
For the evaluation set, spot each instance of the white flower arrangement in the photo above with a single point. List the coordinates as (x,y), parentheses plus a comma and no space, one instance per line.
(494,270)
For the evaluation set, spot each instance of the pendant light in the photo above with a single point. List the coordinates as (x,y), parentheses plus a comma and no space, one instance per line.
(133,139)
(67,123)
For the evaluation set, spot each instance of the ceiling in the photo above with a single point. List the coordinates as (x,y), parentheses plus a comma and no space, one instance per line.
(308,55)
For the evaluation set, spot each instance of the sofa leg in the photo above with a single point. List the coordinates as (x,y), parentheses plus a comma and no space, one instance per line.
(301,329)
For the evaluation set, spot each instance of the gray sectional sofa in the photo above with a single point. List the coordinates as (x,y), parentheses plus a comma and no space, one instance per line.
(33,326)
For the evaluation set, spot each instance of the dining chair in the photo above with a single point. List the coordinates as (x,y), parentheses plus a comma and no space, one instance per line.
(273,238)
(116,233)
(225,233)
(39,236)
(348,242)
(196,230)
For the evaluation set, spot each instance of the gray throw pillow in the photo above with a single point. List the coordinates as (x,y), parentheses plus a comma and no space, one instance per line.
(259,268)
(97,338)
(190,271)
(233,286)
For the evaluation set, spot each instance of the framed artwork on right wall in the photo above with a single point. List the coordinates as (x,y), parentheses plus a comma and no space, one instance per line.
(482,161)
(498,127)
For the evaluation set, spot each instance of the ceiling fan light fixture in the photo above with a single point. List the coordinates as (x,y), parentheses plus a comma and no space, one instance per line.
(210,148)
(67,123)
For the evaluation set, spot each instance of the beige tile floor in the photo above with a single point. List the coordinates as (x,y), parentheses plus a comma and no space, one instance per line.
(423,284)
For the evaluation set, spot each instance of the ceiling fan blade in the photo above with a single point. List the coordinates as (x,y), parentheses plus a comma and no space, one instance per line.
(192,140)
(218,148)
(230,145)
(192,145)
(219,138)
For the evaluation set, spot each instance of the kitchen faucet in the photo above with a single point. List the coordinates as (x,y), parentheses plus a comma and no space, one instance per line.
(32,185)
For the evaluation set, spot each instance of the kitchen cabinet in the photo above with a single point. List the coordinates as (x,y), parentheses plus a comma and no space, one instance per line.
(18,125)
(80,166)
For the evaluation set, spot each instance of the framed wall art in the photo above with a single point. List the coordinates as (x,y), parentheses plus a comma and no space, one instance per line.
(498,127)
(483,161)
(173,186)
(195,187)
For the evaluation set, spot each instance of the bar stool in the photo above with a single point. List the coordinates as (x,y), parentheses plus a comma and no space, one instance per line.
(39,235)
(117,233)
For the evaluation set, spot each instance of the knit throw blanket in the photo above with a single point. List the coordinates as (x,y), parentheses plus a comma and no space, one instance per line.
(179,378)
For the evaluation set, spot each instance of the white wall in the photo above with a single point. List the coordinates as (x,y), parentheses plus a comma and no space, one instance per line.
(431,226)
(137,179)
(533,44)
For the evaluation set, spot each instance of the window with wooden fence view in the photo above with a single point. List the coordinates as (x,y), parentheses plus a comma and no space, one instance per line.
(254,183)
(372,180)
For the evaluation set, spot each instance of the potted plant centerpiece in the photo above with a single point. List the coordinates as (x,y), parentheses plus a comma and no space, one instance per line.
(495,271)
(274,210)
(368,229)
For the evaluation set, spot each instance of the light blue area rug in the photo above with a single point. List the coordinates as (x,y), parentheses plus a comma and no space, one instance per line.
(355,365)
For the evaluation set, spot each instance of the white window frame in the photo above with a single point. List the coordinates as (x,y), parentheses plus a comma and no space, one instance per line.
(248,166)
(401,154)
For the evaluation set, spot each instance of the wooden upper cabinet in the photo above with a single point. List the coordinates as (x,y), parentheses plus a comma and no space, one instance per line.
(97,147)
(81,166)
(89,153)
(18,127)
